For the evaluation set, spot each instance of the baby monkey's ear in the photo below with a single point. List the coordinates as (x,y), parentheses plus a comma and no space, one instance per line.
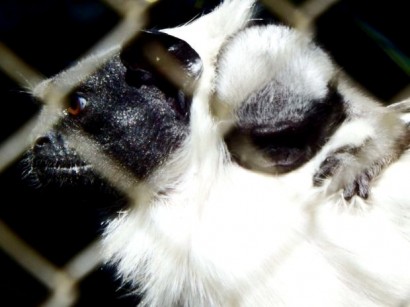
(165,56)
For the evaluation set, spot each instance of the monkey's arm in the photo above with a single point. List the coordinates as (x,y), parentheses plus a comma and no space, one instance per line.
(354,165)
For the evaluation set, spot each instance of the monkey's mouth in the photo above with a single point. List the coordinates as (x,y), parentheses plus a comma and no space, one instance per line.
(288,160)
(282,161)
(68,170)
(43,170)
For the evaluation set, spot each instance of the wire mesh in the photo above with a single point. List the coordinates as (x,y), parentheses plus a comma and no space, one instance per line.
(63,281)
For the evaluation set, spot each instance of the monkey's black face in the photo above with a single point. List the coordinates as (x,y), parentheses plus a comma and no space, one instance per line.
(287,133)
(131,112)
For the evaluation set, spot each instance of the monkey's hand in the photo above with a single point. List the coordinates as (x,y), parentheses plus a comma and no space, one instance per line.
(339,165)
(352,168)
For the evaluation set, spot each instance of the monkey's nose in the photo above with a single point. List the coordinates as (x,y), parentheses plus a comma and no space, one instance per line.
(42,141)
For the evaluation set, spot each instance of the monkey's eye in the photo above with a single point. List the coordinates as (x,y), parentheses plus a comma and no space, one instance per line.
(77,104)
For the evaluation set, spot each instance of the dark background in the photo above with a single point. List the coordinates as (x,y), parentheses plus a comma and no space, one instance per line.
(367,38)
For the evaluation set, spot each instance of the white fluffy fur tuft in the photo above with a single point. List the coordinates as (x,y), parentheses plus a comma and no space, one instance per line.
(276,53)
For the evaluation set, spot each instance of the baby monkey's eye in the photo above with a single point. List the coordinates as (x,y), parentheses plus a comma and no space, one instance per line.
(77,104)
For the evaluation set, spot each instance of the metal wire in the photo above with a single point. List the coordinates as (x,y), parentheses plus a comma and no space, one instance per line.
(62,282)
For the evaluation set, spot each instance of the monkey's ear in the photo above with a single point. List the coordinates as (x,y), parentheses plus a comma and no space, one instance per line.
(165,55)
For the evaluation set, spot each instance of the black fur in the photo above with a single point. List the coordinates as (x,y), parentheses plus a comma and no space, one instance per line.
(136,117)
(285,135)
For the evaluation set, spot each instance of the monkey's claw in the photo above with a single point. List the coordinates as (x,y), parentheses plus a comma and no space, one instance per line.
(338,167)
(326,169)
(360,186)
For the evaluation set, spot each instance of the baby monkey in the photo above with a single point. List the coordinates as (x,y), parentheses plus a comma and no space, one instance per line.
(282,100)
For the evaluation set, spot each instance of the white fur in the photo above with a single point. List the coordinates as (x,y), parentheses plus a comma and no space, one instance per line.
(222,235)
(276,53)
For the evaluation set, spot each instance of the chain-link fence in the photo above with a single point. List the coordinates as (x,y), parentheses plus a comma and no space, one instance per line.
(49,248)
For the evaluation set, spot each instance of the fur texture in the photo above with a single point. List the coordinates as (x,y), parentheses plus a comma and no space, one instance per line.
(203,230)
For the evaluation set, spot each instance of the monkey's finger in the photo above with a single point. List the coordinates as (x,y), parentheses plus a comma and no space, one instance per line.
(326,169)
(350,190)
(363,183)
